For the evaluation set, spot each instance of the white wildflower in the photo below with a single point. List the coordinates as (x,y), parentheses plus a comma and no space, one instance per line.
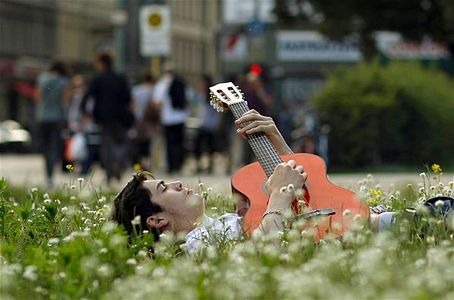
(34,190)
(131,262)
(53,241)
(30,273)
(105,270)
(439,203)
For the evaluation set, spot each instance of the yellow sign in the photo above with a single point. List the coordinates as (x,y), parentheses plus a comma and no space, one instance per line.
(154,20)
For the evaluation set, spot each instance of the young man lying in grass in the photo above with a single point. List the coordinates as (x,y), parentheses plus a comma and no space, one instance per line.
(170,207)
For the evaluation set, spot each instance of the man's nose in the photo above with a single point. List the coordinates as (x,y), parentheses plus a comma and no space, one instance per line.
(178,185)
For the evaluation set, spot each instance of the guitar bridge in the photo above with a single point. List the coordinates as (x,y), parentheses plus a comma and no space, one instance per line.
(315,213)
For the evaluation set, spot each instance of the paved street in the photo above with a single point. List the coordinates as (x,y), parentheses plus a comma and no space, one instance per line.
(28,170)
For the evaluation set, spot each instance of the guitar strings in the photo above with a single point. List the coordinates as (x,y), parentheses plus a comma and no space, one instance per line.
(260,144)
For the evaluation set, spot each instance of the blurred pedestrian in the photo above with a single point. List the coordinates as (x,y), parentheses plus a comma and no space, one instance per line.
(51,114)
(84,124)
(171,95)
(146,114)
(206,140)
(111,111)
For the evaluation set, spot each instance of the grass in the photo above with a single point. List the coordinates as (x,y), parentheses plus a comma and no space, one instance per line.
(60,245)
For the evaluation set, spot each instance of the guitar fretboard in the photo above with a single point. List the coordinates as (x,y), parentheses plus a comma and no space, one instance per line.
(263,150)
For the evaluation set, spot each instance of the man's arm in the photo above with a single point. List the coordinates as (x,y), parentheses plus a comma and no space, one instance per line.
(265,125)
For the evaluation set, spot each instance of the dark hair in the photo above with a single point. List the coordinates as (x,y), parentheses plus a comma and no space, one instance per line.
(106,59)
(177,92)
(58,67)
(147,76)
(135,200)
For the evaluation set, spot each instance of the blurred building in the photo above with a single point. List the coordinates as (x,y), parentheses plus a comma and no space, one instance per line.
(32,32)
(194,35)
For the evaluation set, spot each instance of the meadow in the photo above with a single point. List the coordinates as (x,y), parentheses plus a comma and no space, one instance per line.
(60,244)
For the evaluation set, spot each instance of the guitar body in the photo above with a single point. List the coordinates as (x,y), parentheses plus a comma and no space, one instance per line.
(249,182)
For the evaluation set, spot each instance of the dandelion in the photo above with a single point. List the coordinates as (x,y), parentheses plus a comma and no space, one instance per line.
(53,241)
(105,270)
(291,188)
(131,262)
(70,167)
(47,201)
(436,168)
(46,196)
(136,220)
(73,187)
(422,175)
(81,180)
(283,190)
(201,185)
(137,167)
(30,273)
(34,190)
(72,198)
(439,203)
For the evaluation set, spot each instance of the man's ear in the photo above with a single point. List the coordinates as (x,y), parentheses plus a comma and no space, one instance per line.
(157,222)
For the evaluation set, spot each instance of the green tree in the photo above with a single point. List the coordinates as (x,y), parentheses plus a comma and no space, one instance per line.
(400,113)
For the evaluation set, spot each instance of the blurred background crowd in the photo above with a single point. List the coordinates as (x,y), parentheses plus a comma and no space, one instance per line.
(124,83)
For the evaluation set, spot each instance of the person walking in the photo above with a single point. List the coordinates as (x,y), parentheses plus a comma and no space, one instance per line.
(51,114)
(206,139)
(147,118)
(111,111)
(171,96)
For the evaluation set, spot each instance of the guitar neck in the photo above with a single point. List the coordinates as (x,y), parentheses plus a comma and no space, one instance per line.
(263,150)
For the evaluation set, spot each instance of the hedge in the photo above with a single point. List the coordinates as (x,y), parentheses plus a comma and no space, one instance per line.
(399,113)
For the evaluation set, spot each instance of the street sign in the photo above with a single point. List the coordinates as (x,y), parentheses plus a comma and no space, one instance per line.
(154,25)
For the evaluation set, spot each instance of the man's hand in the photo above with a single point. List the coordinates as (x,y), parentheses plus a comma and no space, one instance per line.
(284,174)
(256,123)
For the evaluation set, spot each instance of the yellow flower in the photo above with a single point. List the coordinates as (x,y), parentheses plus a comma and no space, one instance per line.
(69,167)
(137,167)
(375,197)
(436,168)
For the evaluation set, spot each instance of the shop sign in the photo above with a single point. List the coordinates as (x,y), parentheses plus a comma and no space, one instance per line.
(312,46)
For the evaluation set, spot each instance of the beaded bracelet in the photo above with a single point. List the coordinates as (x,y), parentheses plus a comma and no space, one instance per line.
(272,212)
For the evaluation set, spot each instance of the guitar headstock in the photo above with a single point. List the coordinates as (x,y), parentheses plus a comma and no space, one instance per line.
(224,94)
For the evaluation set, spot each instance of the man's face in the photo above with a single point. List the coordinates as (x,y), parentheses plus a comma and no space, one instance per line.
(182,208)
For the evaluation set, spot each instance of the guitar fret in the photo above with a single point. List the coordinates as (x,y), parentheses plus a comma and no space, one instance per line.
(259,142)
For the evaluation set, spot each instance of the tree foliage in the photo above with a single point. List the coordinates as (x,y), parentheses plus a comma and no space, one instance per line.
(400,113)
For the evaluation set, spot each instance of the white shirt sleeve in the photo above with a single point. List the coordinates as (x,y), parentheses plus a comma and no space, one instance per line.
(227,227)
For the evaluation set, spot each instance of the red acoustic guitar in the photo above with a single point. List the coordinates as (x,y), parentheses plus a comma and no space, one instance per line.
(320,194)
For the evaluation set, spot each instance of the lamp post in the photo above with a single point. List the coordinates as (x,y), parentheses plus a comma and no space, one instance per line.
(119,18)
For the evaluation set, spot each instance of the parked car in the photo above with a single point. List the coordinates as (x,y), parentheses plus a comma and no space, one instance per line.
(13,137)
